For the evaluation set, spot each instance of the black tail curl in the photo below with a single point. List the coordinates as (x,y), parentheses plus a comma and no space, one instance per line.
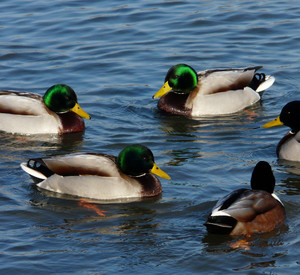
(257,79)
(39,165)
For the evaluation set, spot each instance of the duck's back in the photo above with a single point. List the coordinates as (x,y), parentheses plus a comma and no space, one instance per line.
(218,81)
(19,103)
(246,211)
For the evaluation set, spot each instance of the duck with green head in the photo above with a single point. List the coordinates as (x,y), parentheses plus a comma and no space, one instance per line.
(99,176)
(57,112)
(289,146)
(211,92)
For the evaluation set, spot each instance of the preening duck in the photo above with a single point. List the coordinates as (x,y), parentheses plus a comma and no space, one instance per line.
(57,112)
(245,211)
(289,146)
(211,92)
(99,176)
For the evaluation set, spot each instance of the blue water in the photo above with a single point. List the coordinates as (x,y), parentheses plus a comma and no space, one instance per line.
(115,56)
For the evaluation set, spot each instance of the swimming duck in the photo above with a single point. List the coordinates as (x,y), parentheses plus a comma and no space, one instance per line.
(57,112)
(289,146)
(245,211)
(99,176)
(211,92)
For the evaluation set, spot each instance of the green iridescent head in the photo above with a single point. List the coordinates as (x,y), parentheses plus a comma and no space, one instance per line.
(180,78)
(138,160)
(61,98)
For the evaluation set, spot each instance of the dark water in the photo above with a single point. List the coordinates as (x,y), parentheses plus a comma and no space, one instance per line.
(115,55)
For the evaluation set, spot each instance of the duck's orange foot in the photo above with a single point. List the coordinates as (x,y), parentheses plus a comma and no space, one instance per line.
(243,243)
(252,115)
(92,206)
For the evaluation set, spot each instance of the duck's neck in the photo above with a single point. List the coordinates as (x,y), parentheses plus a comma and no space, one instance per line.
(285,138)
(151,185)
(191,97)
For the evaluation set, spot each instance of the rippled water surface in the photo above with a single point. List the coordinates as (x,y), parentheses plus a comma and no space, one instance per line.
(115,56)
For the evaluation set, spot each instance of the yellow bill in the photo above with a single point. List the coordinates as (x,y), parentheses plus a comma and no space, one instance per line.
(77,110)
(163,90)
(275,122)
(158,172)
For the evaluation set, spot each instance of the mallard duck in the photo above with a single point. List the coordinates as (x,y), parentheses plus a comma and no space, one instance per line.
(289,146)
(245,211)
(99,176)
(211,92)
(57,112)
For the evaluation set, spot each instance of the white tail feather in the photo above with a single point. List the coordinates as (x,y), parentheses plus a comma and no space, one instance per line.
(32,172)
(269,80)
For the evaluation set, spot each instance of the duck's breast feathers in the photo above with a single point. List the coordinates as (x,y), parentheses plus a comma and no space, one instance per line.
(70,123)
(216,81)
(22,103)
(289,147)
(246,205)
(174,103)
(80,164)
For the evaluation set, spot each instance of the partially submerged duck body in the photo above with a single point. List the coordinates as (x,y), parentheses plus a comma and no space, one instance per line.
(288,147)
(211,92)
(99,176)
(248,211)
(27,113)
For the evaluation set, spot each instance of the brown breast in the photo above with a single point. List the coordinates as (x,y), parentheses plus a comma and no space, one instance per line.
(71,123)
(174,103)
